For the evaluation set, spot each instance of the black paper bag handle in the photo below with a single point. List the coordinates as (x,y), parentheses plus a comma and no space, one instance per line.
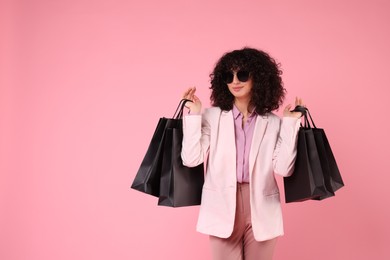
(179,110)
(305,111)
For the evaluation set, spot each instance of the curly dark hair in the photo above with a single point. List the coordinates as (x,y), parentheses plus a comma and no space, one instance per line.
(267,92)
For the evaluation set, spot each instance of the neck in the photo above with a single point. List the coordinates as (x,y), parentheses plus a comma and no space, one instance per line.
(243,106)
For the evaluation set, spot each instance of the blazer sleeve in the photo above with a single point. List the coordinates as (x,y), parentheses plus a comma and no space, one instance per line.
(196,139)
(285,151)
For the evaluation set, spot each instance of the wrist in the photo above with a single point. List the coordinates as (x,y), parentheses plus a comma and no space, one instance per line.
(194,112)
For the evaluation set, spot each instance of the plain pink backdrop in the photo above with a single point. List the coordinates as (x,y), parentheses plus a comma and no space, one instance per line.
(83,83)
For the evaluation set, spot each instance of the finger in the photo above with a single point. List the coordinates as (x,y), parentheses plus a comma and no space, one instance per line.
(185,94)
(196,99)
(287,108)
(191,93)
(298,101)
(191,96)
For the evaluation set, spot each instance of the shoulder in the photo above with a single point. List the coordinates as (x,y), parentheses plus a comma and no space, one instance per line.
(212,111)
(277,121)
(272,117)
(211,115)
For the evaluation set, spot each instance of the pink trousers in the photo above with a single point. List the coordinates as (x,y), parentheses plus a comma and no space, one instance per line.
(242,244)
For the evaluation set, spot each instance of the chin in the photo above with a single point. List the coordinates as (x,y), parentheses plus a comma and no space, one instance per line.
(243,95)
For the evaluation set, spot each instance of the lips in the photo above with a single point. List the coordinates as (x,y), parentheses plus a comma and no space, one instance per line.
(236,89)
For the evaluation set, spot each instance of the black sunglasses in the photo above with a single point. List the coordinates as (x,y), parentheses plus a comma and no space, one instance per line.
(242,76)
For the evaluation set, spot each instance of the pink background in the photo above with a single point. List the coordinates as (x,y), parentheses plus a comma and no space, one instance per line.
(83,83)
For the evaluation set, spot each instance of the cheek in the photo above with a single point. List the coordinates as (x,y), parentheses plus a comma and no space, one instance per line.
(249,86)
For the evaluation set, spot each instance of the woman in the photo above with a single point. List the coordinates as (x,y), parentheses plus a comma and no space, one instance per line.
(243,144)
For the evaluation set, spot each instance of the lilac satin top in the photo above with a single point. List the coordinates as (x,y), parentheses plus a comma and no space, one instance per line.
(243,134)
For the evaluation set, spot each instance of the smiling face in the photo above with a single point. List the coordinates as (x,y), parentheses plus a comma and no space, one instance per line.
(263,90)
(240,89)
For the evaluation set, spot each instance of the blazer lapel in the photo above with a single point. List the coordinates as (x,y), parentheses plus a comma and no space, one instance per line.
(226,130)
(226,137)
(258,134)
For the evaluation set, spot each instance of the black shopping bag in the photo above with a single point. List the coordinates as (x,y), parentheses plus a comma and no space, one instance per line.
(332,177)
(148,176)
(179,185)
(316,175)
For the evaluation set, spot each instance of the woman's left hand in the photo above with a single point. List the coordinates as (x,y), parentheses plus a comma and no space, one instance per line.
(288,113)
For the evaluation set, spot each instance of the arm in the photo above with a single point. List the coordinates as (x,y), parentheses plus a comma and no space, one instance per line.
(196,139)
(285,151)
(196,132)
(286,147)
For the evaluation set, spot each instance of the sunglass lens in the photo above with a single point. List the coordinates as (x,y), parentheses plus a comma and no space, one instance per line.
(227,77)
(242,75)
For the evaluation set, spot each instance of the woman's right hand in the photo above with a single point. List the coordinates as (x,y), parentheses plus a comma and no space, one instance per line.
(195,106)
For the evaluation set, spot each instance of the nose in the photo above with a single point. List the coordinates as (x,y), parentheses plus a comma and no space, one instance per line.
(235,79)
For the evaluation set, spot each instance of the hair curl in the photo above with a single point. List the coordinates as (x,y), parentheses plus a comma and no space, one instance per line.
(267,92)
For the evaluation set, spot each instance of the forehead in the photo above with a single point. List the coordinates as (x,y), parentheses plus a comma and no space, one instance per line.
(236,65)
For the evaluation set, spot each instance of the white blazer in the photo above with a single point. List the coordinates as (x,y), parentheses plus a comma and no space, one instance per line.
(273,150)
